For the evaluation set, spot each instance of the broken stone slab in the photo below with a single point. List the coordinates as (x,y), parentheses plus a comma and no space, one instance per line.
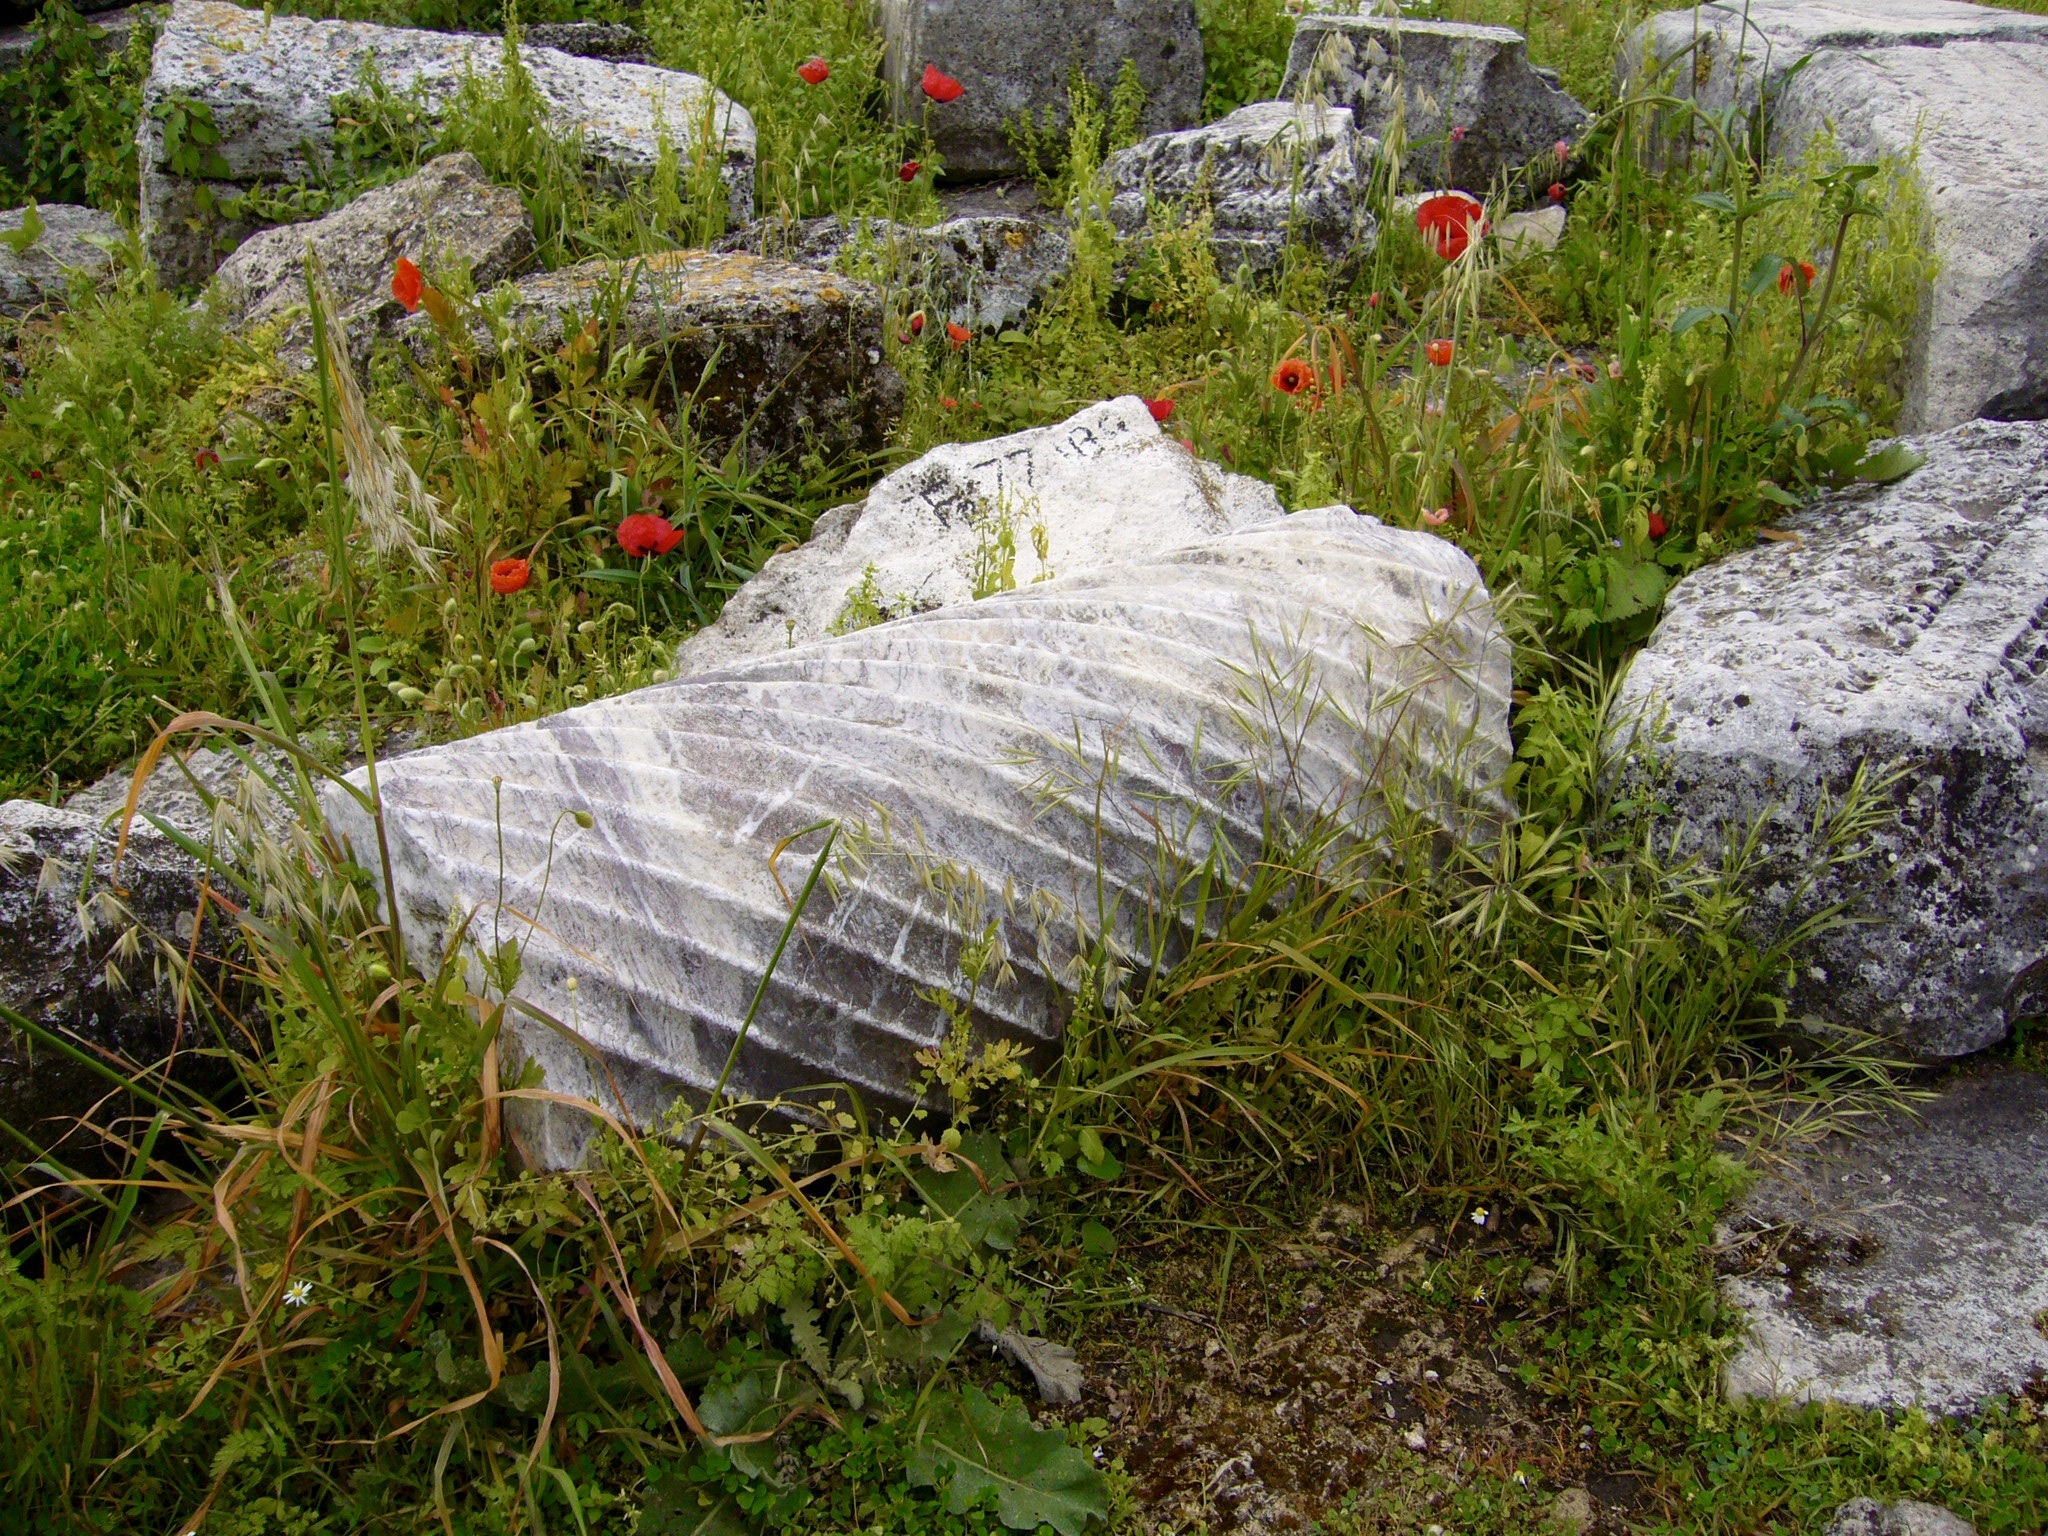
(269,82)
(1016,57)
(985,272)
(1962,87)
(1474,110)
(1102,487)
(1907,1517)
(88,956)
(1006,767)
(445,217)
(1906,630)
(798,352)
(73,239)
(1268,172)
(1900,1266)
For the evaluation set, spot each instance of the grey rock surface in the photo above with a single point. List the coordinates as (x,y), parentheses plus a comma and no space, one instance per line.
(1900,1265)
(86,955)
(73,239)
(1103,487)
(1908,630)
(1440,76)
(1965,84)
(985,272)
(444,217)
(1264,171)
(610,40)
(1014,761)
(270,83)
(1017,56)
(1908,1517)
(798,351)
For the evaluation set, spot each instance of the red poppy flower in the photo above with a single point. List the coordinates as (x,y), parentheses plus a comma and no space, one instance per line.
(1557,191)
(949,402)
(509,576)
(1440,352)
(1293,376)
(1446,221)
(644,534)
(205,459)
(1372,301)
(1657,529)
(917,323)
(35,474)
(956,335)
(1188,443)
(407,285)
(941,88)
(1437,518)
(1803,277)
(815,71)
(1457,135)
(908,170)
(1160,409)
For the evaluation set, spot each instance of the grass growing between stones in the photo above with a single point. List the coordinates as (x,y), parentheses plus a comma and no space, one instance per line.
(1465,1123)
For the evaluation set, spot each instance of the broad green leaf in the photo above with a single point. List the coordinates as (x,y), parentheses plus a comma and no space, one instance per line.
(1693,314)
(984,1217)
(1097,1240)
(1764,273)
(676,1506)
(1720,202)
(970,1448)
(1892,462)
(27,233)
(1633,589)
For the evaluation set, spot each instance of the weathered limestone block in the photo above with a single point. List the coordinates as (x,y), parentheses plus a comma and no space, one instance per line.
(1441,76)
(984,272)
(1266,171)
(1104,486)
(1968,86)
(1017,56)
(446,216)
(1025,753)
(799,351)
(1906,1517)
(73,238)
(1908,631)
(1900,1265)
(84,955)
(270,82)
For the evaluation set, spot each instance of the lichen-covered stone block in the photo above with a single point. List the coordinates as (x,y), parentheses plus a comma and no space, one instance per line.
(1474,108)
(87,955)
(1906,632)
(268,83)
(986,272)
(1267,173)
(795,354)
(72,239)
(446,216)
(1018,56)
(1959,90)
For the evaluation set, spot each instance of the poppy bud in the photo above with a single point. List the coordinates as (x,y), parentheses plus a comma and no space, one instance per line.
(1557,191)
(1457,135)
(908,170)
(917,323)
(1437,518)
(1441,351)
(942,88)
(1562,150)
(815,71)
(1372,301)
